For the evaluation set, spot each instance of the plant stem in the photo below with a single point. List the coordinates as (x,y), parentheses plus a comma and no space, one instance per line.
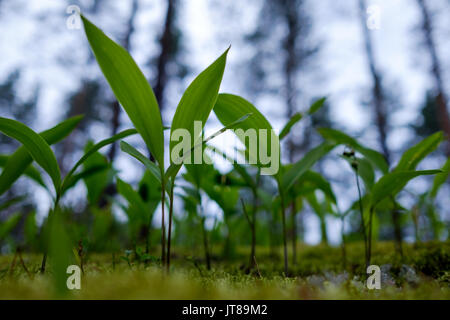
(398,233)
(163,226)
(363,225)
(170,224)
(251,223)
(205,245)
(397,229)
(294,232)
(369,255)
(344,249)
(44,257)
(283,221)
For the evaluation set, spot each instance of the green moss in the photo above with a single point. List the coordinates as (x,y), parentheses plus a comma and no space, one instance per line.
(318,274)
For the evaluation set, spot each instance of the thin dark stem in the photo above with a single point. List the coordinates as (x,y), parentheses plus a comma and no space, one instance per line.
(397,229)
(170,224)
(204,233)
(294,232)
(363,225)
(19,251)
(251,222)
(283,221)
(253,226)
(344,249)
(369,255)
(163,225)
(205,245)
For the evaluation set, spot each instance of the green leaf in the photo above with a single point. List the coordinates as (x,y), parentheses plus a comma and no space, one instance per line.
(320,183)
(317,207)
(151,167)
(230,107)
(97,175)
(31,172)
(35,145)
(365,171)
(393,182)
(317,105)
(21,159)
(61,130)
(440,179)
(411,158)
(31,230)
(9,202)
(85,174)
(376,158)
(287,128)
(130,88)
(9,224)
(94,149)
(133,198)
(174,168)
(303,165)
(198,100)
(240,169)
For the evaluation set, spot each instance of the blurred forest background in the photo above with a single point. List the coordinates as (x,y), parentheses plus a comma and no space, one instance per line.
(385,74)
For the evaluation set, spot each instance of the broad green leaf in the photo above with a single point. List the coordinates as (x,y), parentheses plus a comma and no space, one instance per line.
(21,159)
(287,128)
(240,169)
(95,148)
(174,167)
(9,224)
(149,188)
(31,172)
(320,183)
(317,105)
(230,107)
(197,173)
(133,198)
(61,130)
(198,100)
(36,146)
(151,167)
(393,182)
(130,88)
(411,158)
(31,230)
(440,179)
(317,207)
(303,165)
(376,158)
(8,203)
(365,171)
(97,175)
(86,174)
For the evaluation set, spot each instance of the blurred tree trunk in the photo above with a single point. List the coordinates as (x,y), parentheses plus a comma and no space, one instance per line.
(168,48)
(115,121)
(377,90)
(441,100)
(290,65)
(296,53)
(80,103)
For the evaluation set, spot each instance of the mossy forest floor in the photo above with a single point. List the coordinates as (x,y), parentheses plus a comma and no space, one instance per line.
(423,273)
